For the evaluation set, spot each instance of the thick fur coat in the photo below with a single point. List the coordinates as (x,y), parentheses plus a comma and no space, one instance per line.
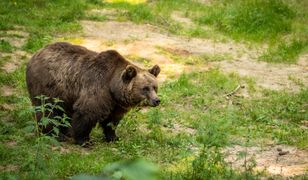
(95,87)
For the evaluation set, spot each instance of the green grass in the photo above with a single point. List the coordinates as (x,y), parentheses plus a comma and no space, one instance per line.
(5,46)
(194,101)
(260,21)
(285,52)
(184,136)
(257,19)
(42,19)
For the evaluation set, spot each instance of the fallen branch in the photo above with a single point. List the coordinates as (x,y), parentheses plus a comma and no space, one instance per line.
(233,92)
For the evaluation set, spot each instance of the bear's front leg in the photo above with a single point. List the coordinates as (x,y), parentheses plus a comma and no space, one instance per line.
(110,124)
(109,127)
(82,124)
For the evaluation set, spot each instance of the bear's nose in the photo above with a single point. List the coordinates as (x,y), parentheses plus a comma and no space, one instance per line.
(156,102)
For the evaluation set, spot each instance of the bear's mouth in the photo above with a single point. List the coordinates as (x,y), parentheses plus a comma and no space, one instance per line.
(146,103)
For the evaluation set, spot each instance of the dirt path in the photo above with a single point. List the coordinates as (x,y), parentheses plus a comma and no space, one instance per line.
(144,41)
(11,61)
(281,160)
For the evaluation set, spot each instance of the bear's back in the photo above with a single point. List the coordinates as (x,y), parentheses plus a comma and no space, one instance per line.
(61,66)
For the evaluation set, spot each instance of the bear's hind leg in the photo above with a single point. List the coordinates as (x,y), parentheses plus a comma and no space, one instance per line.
(82,124)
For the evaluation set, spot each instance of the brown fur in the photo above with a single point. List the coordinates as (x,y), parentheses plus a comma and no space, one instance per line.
(95,87)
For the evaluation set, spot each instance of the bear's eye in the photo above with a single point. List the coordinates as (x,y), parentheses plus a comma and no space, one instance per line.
(146,88)
(155,88)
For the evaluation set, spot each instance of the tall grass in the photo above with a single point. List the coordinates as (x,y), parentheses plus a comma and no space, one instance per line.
(42,19)
(263,21)
(256,19)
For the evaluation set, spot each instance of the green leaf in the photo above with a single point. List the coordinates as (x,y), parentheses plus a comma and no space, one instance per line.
(56,130)
(28,129)
(44,121)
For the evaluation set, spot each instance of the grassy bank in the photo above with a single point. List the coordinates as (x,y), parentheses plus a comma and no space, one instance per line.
(277,23)
(194,114)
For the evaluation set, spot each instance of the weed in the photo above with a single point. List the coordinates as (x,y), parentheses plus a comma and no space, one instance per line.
(4,59)
(131,169)
(43,142)
(5,46)
(35,42)
(285,52)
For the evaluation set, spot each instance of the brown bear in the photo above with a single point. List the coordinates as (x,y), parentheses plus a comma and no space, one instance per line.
(94,87)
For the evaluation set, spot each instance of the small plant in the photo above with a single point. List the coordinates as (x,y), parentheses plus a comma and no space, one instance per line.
(36,162)
(284,52)
(130,170)
(36,41)
(5,46)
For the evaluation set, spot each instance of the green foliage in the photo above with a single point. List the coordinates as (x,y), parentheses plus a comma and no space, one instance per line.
(258,19)
(130,170)
(213,133)
(194,113)
(135,12)
(279,115)
(47,109)
(284,52)
(41,18)
(255,20)
(195,120)
(15,78)
(35,42)
(5,46)
(35,162)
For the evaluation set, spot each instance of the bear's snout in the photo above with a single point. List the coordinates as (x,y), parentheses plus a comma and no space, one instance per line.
(155,102)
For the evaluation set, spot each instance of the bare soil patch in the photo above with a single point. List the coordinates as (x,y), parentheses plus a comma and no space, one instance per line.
(9,168)
(108,13)
(142,40)
(6,91)
(270,76)
(14,61)
(17,38)
(280,160)
(179,128)
(177,16)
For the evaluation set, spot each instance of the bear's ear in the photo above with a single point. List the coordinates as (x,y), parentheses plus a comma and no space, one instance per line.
(155,70)
(129,73)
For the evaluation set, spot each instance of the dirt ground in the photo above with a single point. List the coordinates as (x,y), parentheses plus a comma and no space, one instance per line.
(145,40)
(281,160)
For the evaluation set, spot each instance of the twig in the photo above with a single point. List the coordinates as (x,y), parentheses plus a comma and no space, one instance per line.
(165,21)
(233,92)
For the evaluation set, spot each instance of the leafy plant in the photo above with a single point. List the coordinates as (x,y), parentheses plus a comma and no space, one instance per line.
(36,162)
(130,170)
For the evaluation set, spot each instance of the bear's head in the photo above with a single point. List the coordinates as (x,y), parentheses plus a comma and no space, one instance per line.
(140,85)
